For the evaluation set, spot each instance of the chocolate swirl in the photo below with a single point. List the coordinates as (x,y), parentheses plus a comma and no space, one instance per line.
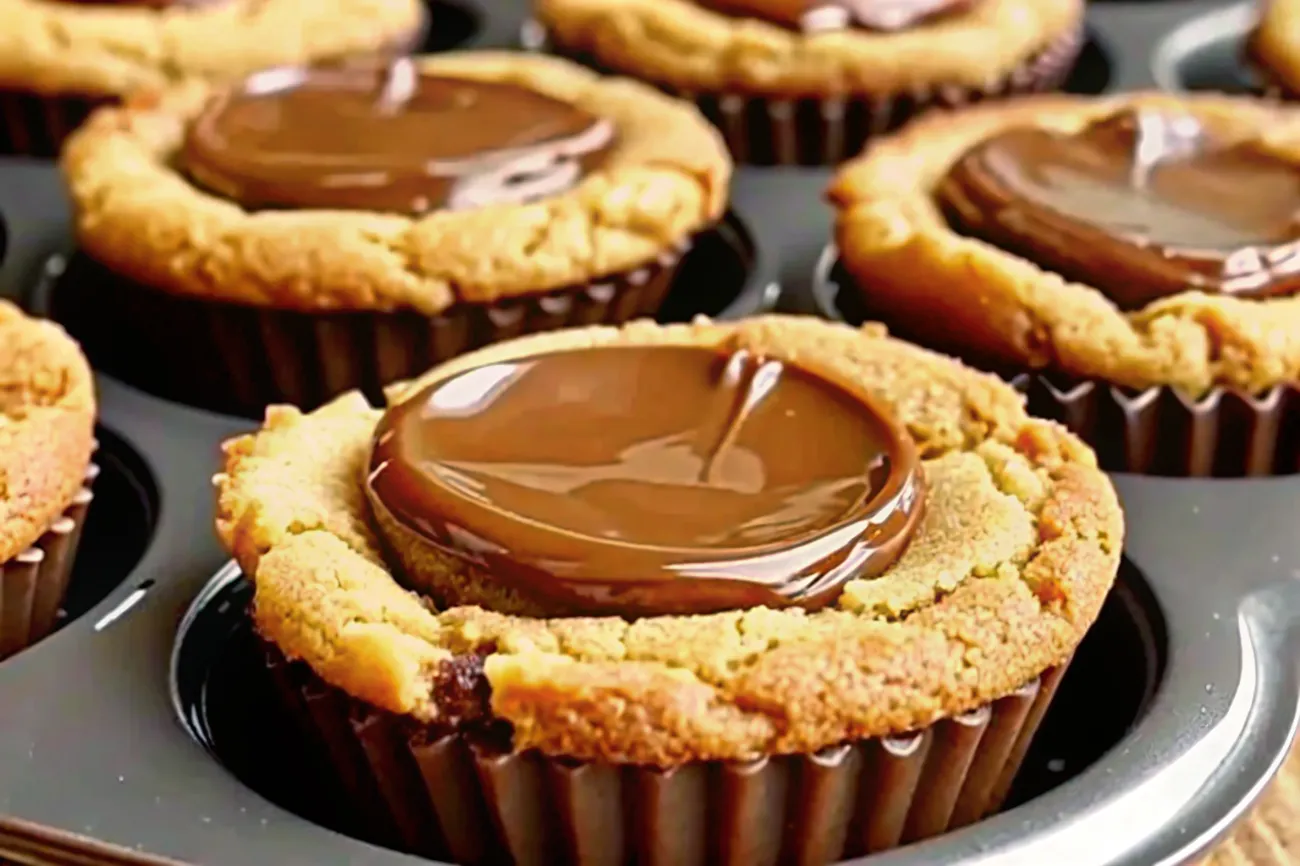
(815,16)
(1141,205)
(648,480)
(389,138)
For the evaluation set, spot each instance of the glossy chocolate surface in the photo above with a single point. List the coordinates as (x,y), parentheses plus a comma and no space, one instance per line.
(815,16)
(386,137)
(647,480)
(1141,205)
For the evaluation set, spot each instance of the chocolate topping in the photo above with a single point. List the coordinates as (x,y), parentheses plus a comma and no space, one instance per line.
(1142,205)
(645,480)
(815,16)
(389,138)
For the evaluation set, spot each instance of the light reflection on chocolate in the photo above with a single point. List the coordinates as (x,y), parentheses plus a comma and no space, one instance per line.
(1142,205)
(648,480)
(387,137)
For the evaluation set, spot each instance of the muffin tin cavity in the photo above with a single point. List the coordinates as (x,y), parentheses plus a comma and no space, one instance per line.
(118,527)
(1092,71)
(1123,657)
(452,24)
(1206,53)
(35,126)
(224,696)
(720,276)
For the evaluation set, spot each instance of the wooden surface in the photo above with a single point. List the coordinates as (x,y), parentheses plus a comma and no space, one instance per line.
(1271,835)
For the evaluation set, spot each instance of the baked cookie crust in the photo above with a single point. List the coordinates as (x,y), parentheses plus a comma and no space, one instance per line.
(47,426)
(665,179)
(1275,43)
(894,239)
(1019,545)
(54,47)
(681,44)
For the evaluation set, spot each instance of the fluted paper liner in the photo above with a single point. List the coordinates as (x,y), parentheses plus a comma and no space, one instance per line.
(33,124)
(827,130)
(239,359)
(33,583)
(1162,431)
(466,799)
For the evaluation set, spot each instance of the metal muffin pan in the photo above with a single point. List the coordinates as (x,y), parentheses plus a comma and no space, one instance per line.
(1205,53)
(121,743)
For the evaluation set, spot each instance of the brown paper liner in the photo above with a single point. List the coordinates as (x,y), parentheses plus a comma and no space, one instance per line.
(239,359)
(1161,431)
(464,798)
(32,124)
(828,130)
(33,583)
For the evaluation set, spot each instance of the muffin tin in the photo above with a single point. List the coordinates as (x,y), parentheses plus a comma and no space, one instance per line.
(131,736)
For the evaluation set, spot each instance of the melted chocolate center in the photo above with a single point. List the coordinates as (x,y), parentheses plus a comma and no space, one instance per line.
(389,138)
(1141,205)
(813,16)
(648,480)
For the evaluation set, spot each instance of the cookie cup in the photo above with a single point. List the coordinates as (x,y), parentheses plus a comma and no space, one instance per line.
(47,420)
(1190,385)
(782,97)
(49,86)
(192,293)
(460,731)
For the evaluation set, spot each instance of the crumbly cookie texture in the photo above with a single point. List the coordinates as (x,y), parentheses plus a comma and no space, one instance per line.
(108,50)
(895,242)
(680,43)
(47,426)
(665,179)
(1018,548)
(1275,43)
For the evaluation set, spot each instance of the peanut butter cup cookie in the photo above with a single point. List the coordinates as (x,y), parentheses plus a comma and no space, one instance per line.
(47,429)
(692,594)
(1140,251)
(313,230)
(61,58)
(809,81)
